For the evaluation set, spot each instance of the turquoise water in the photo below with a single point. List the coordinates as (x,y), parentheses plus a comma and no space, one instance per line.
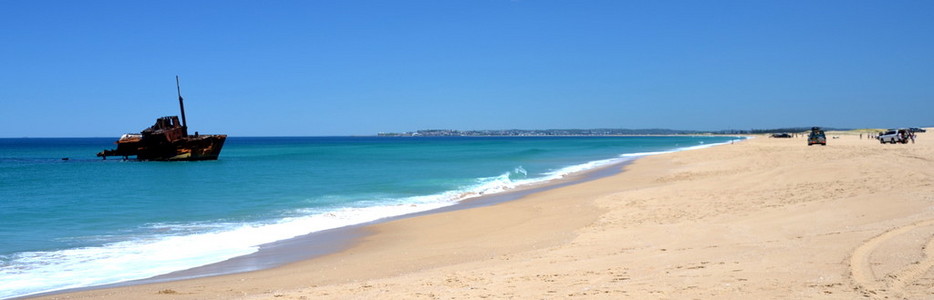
(85,221)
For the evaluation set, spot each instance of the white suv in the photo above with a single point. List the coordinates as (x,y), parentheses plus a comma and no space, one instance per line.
(894,136)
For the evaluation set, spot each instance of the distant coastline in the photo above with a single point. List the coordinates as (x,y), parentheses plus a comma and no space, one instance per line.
(588,132)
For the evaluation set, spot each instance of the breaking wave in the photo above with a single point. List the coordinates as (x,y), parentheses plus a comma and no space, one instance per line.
(175,247)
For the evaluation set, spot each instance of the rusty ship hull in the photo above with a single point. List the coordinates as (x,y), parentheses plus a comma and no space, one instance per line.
(191,148)
(168,140)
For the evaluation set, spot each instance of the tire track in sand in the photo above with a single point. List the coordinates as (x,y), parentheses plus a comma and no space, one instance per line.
(893,283)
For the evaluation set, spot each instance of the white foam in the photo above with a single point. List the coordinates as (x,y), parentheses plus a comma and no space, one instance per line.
(38,272)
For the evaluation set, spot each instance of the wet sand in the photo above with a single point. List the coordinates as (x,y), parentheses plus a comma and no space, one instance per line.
(764,218)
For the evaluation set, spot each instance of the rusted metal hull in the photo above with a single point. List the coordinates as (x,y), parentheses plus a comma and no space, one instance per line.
(204,147)
(168,140)
(190,148)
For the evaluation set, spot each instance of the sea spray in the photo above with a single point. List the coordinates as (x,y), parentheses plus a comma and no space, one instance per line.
(137,220)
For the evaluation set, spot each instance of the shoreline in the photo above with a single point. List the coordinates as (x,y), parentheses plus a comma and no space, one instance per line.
(765,218)
(330,241)
(310,246)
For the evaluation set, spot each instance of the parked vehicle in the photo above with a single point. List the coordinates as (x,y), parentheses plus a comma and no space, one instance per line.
(781,135)
(893,136)
(914,129)
(817,137)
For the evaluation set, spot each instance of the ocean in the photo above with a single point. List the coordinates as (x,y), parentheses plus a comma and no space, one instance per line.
(85,221)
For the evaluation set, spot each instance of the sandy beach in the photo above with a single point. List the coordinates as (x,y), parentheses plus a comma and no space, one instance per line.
(764,218)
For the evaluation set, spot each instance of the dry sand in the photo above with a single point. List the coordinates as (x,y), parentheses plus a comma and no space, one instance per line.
(760,219)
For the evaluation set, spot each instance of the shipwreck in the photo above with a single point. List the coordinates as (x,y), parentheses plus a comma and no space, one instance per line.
(168,140)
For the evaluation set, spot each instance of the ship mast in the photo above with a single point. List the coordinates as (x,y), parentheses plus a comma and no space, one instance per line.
(181,103)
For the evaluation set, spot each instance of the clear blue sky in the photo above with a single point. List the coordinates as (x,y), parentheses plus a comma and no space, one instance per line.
(260,68)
